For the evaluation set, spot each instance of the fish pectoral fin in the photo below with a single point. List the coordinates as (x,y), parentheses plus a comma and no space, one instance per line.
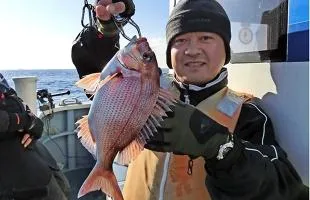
(85,136)
(101,179)
(89,82)
(129,153)
(107,79)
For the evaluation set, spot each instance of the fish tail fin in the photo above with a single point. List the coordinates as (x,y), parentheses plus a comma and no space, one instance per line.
(101,179)
(89,82)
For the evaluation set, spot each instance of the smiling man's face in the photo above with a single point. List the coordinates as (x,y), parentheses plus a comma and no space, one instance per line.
(197,57)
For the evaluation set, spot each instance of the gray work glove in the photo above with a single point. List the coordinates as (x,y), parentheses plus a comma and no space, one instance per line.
(188,131)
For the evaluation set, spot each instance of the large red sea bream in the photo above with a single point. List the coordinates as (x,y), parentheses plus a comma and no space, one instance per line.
(127,107)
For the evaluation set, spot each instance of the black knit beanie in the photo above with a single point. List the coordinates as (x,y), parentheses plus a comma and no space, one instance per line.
(198,16)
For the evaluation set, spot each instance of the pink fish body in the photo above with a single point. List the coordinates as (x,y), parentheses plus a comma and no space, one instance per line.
(126,109)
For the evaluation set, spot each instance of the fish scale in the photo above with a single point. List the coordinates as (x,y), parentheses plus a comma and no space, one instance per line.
(108,111)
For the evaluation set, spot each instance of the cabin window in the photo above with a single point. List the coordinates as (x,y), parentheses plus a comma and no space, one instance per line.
(259,29)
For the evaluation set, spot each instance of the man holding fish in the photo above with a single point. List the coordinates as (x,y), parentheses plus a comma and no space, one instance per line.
(222,142)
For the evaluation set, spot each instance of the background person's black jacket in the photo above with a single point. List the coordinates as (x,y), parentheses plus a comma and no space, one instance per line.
(23,172)
(257,168)
(91,51)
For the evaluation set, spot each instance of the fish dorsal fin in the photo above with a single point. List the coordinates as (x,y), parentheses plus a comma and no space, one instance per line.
(165,99)
(89,82)
(85,135)
(146,132)
(168,95)
(129,153)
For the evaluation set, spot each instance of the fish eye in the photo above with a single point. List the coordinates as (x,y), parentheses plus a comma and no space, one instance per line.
(147,57)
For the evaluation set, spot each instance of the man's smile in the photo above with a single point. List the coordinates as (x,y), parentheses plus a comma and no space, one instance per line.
(194,64)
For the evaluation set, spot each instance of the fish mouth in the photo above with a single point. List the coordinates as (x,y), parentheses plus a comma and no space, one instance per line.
(148,56)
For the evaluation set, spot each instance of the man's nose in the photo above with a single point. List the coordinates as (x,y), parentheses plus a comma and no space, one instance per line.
(193,49)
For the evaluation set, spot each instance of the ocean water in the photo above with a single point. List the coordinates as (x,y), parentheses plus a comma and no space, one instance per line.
(61,80)
(55,80)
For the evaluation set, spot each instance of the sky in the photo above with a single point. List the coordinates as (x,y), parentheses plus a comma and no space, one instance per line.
(38,34)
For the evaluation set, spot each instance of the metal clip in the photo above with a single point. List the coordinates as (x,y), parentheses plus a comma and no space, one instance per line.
(91,14)
(225,148)
(119,24)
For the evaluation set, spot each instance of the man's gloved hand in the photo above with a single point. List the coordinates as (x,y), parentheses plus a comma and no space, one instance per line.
(188,131)
(106,8)
(36,128)
(19,122)
(20,117)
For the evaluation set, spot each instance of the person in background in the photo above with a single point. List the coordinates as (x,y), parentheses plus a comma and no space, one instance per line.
(27,169)
(223,142)
(87,48)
